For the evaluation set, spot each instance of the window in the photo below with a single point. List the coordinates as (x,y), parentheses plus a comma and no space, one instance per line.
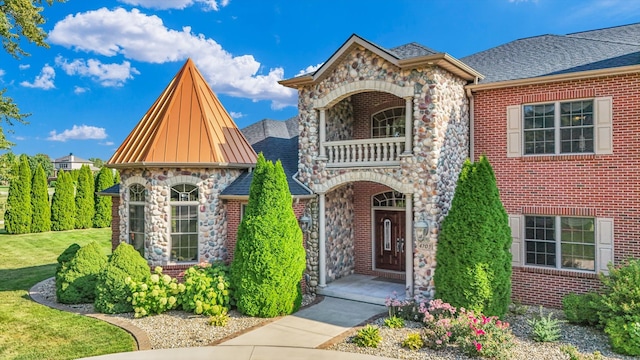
(561,127)
(184,223)
(137,195)
(243,210)
(560,242)
(388,123)
(389,199)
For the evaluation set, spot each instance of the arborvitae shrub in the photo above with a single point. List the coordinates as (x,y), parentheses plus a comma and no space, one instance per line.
(78,277)
(473,257)
(112,290)
(17,218)
(269,258)
(84,199)
(102,214)
(41,219)
(63,206)
(63,262)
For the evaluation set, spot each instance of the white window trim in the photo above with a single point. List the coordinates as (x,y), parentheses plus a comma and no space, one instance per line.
(402,117)
(195,203)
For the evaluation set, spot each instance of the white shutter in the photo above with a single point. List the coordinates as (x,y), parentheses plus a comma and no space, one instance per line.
(515,223)
(603,109)
(514,131)
(604,244)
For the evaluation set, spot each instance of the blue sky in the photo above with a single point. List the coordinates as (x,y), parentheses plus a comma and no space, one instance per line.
(109,60)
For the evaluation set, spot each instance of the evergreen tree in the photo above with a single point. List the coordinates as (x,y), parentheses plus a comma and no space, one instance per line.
(102,215)
(63,207)
(17,218)
(116,178)
(269,258)
(41,220)
(84,199)
(473,256)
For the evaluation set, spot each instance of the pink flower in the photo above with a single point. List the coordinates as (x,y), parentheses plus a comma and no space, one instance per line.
(485,319)
(448,333)
(480,332)
(439,342)
(478,346)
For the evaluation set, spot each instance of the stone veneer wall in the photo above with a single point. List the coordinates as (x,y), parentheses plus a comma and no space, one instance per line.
(440,111)
(211,212)
(340,232)
(340,121)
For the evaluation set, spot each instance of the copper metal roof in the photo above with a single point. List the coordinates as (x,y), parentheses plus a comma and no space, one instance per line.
(186,126)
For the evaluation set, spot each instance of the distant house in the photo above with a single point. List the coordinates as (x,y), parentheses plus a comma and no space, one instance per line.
(71,162)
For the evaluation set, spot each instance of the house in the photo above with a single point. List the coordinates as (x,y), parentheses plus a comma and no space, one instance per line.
(381,135)
(71,162)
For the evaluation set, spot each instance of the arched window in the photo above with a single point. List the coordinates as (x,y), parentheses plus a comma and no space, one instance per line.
(389,199)
(184,223)
(137,198)
(388,123)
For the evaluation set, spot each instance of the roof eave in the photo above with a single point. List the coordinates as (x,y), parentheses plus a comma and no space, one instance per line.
(557,78)
(444,61)
(246,197)
(148,165)
(297,81)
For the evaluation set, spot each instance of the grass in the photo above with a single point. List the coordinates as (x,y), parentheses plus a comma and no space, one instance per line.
(32,331)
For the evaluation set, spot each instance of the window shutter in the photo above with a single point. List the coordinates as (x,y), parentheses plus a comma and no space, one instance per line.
(515,223)
(604,244)
(514,131)
(604,126)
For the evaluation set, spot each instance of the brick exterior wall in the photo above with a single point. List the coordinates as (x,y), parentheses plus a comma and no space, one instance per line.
(594,185)
(366,104)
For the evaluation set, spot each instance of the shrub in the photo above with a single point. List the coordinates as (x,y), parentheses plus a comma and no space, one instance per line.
(394,322)
(63,207)
(17,217)
(582,309)
(84,199)
(207,289)
(368,336)
(517,308)
(405,309)
(477,225)
(63,263)
(485,336)
(102,214)
(41,219)
(440,324)
(112,291)
(574,354)
(545,329)
(413,342)
(77,277)
(269,258)
(219,320)
(624,335)
(154,295)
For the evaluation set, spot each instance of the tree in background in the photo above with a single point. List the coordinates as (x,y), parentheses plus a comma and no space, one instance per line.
(85,206)
(7,160)
(102,215)
(17,218)
(63,206)
(473,257)
(97,162)
(41,220)
(44,160)
(116,178)
(19,19)
(269,258)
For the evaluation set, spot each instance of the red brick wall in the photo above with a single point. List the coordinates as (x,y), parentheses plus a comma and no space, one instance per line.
(115,222)
(366,104)
(599,185)
(363,191)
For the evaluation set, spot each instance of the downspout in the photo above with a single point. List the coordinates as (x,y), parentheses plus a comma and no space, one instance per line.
(471,123)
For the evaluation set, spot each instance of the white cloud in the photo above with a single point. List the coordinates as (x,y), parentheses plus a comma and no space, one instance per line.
(106,74)
(24,66)
(177,4)
(43,81)
(80,90)
(145,38)
(107,143)
(236,115)
(2,72)
(82,132)
(19,138)
(309,69)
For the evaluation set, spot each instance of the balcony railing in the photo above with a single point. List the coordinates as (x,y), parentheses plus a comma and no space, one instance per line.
(366,152)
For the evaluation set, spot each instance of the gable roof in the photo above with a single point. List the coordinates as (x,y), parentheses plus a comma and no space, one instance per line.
(267,128)
(186,126)
(406,56)
(72,158)
(548,55)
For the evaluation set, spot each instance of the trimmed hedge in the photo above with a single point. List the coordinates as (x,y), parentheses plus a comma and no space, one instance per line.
(76,280)
(17,217)
(63,207)
(41,220)
(84,199)
(102,214)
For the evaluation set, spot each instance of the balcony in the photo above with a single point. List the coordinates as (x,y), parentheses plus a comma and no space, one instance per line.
(363,153)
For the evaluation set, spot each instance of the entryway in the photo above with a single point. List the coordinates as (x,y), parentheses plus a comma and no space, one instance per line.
(389,234)
(364,288)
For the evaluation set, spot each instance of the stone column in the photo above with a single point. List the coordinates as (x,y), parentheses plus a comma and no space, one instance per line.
(408,244)
(408,125)
(322,129)
(322,244)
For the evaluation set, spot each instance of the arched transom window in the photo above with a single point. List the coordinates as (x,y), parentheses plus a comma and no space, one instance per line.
(184,223)
(388,123)
(137,198)
(389,199)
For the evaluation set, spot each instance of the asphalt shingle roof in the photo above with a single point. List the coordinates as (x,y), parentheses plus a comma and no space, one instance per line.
(558,54)
(411,50)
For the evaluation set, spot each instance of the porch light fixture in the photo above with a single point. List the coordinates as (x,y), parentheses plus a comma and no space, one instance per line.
(305,222)
(422,227)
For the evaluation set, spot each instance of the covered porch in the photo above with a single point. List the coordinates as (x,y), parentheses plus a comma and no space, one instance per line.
(364,288)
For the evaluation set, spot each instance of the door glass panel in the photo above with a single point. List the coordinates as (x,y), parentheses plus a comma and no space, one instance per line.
(387,235)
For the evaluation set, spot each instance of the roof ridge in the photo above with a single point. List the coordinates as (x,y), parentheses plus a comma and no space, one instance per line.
(604,28)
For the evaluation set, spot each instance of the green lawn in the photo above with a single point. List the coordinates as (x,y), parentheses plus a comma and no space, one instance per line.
(32,331)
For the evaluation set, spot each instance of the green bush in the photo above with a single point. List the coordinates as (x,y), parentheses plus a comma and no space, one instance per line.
(63,207)
(473,257)
(17,217)
(413,341)
(102,214)
(485,336)
(41,219)
(624,335)
(545,328)
(582,309)
(394,322)
(574,354)
(207,290)
(63,263)
(368,336)
(112,290)
(77,278)
(269,258)
(84,199)
(154,295)
(219,320)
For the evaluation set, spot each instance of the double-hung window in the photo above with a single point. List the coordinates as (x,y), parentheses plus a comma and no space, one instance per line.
(184,223)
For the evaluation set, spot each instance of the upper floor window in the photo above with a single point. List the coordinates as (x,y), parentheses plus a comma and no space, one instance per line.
(137,195)
(184,223)
(560,127)
(388,123)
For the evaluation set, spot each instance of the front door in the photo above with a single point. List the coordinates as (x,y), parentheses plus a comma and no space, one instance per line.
(390,240)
